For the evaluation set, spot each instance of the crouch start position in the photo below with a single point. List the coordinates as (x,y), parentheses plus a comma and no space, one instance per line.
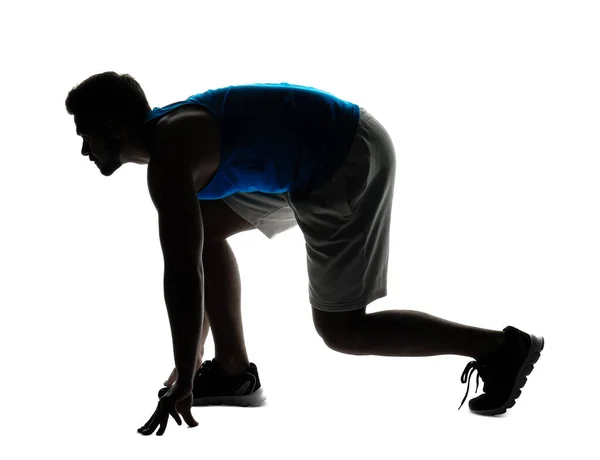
(269,157)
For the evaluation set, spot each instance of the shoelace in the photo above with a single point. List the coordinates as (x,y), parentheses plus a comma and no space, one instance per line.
(493,370)
(205,368)
(466,377)
(209,367)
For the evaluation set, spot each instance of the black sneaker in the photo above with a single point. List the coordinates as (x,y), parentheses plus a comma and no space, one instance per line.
(504,372)
(214,387)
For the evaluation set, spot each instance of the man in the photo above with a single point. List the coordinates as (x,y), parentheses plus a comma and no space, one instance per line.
(270,156)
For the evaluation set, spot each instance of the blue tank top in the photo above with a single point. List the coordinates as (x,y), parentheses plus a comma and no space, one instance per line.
(274,138)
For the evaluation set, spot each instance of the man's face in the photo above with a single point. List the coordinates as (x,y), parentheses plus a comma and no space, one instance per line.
(101,149)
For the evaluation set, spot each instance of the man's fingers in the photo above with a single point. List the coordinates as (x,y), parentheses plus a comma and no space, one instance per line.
(163,425)
(149,427)
(157,419)
(145,431)
(175,415)
(164,411)
(188,417)
(147,424)
(172,378)
(184,407)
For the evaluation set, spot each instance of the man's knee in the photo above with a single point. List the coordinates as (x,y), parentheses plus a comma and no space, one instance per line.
(341,331)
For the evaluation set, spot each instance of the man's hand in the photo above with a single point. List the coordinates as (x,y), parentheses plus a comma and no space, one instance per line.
(173,377)
(178,400)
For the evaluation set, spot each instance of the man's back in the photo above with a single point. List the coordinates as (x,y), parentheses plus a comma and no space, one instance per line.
(274,137)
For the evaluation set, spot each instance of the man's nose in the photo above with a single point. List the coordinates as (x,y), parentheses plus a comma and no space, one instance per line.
(85,151)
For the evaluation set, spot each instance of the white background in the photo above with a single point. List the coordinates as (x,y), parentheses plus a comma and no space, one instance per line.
(494,109)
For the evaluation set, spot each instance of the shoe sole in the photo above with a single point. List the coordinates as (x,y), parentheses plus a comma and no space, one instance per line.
(254,399)
(537,345)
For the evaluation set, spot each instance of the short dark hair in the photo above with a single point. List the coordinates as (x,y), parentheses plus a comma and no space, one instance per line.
(108,95)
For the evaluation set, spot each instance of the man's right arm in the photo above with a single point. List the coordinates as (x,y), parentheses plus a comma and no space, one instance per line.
(171,188)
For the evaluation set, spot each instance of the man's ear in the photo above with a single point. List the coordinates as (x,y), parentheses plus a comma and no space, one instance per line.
(115,128)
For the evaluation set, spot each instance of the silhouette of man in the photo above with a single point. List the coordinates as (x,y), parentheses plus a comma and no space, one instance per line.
(271,156)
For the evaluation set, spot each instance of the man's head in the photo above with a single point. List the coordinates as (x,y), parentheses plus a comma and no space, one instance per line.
(110,111)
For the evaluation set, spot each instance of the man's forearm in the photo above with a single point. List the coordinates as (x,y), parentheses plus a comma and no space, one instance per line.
(184,297)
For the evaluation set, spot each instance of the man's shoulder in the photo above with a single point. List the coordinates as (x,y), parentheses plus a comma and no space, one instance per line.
(169,166)
(182,151)
(186,116)
(176,132)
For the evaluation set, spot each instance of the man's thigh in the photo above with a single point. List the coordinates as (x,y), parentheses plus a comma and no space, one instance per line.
(346,226)
(220,221)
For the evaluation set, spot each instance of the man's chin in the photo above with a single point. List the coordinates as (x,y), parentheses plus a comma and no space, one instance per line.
(108,170)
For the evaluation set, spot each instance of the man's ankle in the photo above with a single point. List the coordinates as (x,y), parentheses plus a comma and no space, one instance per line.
(233,367)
